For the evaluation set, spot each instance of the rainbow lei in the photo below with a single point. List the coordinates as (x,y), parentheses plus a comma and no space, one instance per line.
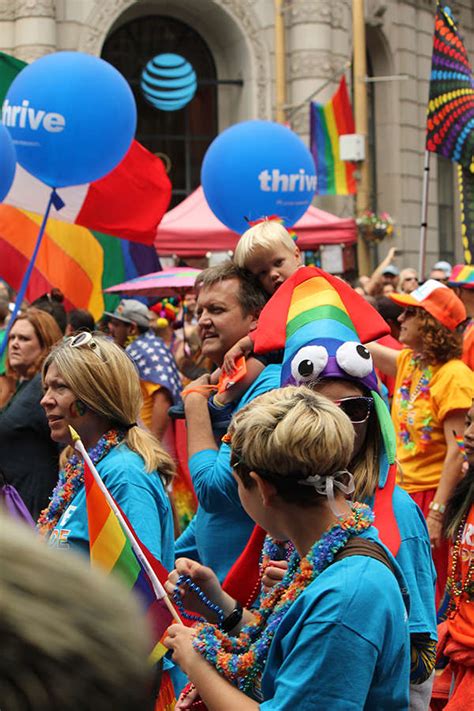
(71,479)
(407,398)
(241,659)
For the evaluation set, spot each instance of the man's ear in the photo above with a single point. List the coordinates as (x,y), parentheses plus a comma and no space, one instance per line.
(266,490)
(133,329)
(254,322)
(298,255)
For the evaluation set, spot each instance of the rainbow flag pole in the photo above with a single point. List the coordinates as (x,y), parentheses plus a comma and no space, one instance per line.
(157,586)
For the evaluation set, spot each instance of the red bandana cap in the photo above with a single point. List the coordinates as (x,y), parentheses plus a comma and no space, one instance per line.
(438,300)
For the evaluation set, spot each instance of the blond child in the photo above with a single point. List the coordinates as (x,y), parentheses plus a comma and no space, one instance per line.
(268,252)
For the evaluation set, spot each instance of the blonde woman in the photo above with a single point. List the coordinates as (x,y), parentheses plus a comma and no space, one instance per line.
(91,384)
(333,634)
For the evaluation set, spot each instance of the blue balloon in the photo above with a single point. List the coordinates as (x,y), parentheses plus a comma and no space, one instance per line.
(7,162)
(72,118)
(168,82)
(256,169)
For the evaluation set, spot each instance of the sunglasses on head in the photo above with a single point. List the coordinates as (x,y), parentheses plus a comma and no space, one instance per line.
(85,339)
(357,408)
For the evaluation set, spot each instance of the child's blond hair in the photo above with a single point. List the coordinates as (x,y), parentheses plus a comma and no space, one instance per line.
(266,235)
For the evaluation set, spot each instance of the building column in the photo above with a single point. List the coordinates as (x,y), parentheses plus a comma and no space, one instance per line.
(34,29)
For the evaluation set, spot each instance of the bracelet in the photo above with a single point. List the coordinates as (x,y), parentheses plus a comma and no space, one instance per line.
(435,506)
(233,619)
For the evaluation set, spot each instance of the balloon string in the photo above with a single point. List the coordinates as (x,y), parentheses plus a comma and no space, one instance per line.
(55,200)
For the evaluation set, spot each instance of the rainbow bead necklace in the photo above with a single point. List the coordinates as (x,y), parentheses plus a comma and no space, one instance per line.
(71,480)
(241,659)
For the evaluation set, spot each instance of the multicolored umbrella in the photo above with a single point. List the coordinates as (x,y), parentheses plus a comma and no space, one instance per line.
(165,283)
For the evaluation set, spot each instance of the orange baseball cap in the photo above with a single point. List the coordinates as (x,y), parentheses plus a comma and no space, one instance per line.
(438,300)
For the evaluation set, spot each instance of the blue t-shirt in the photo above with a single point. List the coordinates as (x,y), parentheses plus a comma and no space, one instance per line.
(344,643)
(221,528)
(141,496)
(415,560)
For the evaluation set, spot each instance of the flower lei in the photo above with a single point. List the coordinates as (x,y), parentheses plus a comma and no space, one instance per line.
(456,586)
(241,659)
(407,417)
(71,479)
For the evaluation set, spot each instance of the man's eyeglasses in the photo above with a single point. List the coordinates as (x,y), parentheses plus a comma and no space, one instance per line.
(357,408)
(85,339)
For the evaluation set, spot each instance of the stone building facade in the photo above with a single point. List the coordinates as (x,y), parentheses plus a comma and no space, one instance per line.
(240,39)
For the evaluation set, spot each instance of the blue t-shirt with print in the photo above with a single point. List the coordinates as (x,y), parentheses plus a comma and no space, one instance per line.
(142,497)
(344,644)
(220,529)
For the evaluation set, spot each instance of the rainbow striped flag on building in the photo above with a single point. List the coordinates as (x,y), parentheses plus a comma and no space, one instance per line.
(327,123)
(111,549)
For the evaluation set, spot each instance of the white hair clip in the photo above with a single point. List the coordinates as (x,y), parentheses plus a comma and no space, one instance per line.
(324,485)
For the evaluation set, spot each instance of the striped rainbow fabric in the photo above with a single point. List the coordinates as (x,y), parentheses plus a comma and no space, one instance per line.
(79,261)
(111,550)
(327,123)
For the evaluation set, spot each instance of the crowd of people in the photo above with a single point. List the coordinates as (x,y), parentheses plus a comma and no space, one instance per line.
(329,450)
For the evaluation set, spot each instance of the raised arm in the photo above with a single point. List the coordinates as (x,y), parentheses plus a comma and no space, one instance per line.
(385,358)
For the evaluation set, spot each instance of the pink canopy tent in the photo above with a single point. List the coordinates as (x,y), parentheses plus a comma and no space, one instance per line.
(191,229)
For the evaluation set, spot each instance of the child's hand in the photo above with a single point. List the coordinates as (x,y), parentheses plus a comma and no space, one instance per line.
(204,577)
(274,573)
(241,348)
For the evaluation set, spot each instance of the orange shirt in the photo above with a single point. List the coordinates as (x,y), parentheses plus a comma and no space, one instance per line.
(421,446)
(461,626)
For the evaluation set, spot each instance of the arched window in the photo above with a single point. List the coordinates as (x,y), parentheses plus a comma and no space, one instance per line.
(445,208)
(179,137)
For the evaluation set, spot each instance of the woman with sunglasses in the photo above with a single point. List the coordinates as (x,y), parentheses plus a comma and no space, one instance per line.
(433,392)
(28,457)
(90,384)
(309,644)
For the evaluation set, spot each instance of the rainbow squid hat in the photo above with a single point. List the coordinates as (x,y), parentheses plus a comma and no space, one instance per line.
(322,324)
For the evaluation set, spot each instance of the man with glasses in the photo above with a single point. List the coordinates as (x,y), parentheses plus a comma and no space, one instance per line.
(160,382)
(228,306)
(441,271)
(462,283)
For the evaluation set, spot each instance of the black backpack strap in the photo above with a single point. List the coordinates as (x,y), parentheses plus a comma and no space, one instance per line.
(361,546)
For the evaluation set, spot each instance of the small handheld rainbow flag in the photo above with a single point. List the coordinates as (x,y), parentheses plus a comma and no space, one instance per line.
(461,445)
(115,548)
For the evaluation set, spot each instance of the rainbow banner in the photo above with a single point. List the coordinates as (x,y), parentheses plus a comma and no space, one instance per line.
(450,122)
(327,123)
(111,550)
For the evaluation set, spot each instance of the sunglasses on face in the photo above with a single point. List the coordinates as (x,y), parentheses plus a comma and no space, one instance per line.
(356,408)
(409,313)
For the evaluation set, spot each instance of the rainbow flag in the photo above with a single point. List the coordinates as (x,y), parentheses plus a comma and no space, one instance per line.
(79,261)
(461,445)
(111,550)
(327,123)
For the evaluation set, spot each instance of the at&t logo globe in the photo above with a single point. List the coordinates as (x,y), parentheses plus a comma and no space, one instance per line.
(168,82)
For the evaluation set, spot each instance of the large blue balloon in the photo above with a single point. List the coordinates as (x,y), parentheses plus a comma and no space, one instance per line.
(256,169)
(7,162)
(72,118)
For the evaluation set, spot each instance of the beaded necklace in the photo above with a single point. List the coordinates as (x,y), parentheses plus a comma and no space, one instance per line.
(71,479)
(241,659)
(406,402)
(455,585)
